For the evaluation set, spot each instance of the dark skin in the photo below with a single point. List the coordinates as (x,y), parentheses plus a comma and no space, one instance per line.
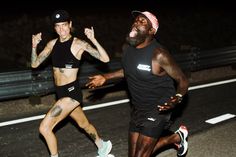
(162,64)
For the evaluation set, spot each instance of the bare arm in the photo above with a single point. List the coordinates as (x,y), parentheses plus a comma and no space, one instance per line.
(99,80)
(36,60)
(99,53)
(114,75)
(167,63)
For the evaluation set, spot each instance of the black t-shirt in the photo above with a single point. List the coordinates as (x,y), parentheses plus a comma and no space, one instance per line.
(147,90)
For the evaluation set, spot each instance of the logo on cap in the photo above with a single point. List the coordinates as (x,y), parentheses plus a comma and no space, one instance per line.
(58,16)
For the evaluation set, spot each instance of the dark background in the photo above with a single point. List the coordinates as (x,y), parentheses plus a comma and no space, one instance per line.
(184,25)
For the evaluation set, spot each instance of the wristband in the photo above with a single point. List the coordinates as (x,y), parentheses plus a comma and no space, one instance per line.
(179,95)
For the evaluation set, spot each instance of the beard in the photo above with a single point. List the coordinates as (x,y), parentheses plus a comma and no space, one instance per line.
(135,38)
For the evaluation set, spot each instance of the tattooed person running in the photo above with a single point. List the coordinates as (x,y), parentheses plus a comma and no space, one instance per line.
(66,52)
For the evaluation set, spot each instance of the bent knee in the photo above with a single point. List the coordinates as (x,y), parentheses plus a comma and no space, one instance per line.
(44,129)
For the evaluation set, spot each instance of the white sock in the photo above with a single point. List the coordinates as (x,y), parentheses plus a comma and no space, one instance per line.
(56,155)
(99,143)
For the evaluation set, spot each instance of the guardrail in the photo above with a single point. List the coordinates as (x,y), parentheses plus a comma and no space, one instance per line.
(198,60)
(33,82)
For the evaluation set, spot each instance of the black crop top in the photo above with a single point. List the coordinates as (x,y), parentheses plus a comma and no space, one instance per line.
(62,56)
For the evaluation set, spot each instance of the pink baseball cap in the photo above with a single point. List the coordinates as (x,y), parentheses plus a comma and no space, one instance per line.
(152,18)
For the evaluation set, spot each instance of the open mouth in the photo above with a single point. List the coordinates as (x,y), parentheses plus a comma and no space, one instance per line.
(133,32)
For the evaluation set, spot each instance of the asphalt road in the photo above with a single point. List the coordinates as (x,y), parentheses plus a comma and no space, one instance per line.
(201,104)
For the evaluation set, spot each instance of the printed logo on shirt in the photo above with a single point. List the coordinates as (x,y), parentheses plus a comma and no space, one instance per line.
(151,119)
(71,88)
(144,67)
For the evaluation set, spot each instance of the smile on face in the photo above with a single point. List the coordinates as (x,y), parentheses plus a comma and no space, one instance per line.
(63,28)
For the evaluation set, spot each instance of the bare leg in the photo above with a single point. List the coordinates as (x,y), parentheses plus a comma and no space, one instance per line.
(56,114)
(167,140)
(133,138)
(78,115)
(144,146)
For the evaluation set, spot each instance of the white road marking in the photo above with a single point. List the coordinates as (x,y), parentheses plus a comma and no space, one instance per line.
(22,120)
(212,84)
(11,122)
(105,104)
(220,118)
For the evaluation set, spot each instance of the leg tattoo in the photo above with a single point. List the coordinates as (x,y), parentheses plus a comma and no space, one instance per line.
(56,111)
(93,136)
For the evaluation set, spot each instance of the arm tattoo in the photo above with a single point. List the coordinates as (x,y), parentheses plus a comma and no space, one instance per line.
(33,56)
(93,52)
(56,111)
(41,59)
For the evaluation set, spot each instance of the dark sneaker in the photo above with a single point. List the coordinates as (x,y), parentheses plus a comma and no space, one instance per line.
(183,145)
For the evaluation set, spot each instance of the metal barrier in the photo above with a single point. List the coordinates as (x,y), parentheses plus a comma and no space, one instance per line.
(33,82)
(215,58)
(25,83)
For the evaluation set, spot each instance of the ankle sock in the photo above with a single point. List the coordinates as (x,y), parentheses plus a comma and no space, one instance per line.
(99,143)
(56,155)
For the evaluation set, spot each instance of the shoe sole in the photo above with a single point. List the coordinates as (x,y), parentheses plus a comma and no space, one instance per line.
(109,155)
(109,148)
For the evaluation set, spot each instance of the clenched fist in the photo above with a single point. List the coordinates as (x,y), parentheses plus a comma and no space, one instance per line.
(36,39)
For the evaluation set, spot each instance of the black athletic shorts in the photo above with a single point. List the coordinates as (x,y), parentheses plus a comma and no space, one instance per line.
(150,123)
(71,90)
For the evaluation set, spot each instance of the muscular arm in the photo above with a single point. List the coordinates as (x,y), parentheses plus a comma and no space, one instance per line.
(168,64)
(99,80)
(114,75)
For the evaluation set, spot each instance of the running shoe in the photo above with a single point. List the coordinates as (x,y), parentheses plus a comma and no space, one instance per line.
(183,145)
(105,149)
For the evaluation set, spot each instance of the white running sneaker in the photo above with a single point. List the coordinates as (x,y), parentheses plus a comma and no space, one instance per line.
(105,149)
(183,145)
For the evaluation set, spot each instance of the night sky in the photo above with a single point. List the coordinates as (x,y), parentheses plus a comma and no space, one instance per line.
(173,32)
(93,6)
